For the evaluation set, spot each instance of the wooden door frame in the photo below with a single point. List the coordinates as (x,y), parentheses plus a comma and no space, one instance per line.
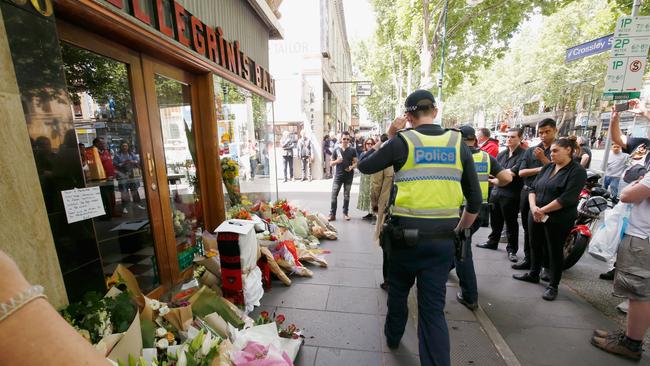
(205,133)
(99,45)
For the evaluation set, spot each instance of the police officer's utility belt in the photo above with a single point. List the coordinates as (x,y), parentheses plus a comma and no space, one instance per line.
(398,236)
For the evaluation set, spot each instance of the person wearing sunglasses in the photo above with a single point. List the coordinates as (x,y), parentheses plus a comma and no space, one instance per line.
(434,170)
(363,203)
(344,159)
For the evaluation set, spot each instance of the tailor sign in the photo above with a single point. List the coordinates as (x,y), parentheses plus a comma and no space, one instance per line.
(627,64)
(210,42)
(590,48)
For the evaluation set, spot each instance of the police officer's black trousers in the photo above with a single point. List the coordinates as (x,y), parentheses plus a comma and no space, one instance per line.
(429,262)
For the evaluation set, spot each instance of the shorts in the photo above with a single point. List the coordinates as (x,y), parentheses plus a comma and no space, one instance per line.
(632,278)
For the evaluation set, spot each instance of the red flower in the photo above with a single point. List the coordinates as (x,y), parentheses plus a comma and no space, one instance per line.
(264,315)
(280,319)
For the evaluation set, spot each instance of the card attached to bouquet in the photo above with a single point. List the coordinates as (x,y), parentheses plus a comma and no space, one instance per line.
(82,204)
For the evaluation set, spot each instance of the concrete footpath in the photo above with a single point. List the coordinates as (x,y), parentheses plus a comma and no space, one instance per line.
(341,309)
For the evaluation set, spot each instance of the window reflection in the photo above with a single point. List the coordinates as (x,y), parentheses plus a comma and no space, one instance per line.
(106,139)
(246,137)
(174,103)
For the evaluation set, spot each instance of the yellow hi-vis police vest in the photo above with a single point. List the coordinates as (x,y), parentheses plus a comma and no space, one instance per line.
(482,165)
(428,185)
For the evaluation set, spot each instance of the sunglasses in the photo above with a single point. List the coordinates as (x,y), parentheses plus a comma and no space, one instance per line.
(346,139)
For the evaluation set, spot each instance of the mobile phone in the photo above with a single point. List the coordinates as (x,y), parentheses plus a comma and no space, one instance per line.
(544,218)
(620,107)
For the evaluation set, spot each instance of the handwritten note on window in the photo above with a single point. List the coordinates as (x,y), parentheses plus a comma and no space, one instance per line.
(82,204)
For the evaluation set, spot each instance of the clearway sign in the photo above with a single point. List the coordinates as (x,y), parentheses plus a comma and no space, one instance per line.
(590,48)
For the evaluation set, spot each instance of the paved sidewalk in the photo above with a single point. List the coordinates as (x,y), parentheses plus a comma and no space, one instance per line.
(539,332)
(342,309)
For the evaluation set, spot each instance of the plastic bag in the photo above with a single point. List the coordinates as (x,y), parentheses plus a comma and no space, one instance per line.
(604,243)
(253,290)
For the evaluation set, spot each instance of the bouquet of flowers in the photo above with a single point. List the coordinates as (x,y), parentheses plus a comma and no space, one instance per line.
(239,212)
(291,331)
(229,173)
(282,207)
(182,226)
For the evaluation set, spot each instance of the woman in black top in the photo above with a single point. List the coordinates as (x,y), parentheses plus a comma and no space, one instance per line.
(553,209)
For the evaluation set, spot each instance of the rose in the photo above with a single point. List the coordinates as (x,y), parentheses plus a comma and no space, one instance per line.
(164,310)
(162,343)
(161,332)
(264,315)
(280,319)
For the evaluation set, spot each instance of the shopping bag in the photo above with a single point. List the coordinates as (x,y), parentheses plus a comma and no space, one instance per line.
(608,235)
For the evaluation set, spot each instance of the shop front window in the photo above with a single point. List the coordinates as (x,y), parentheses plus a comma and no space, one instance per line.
(179,142)
(106,137)
(246,148)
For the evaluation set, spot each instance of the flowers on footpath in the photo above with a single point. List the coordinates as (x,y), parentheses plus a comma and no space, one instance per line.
(291,331)
(96,317)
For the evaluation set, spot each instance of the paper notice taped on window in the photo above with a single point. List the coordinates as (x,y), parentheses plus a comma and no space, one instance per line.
(82,204)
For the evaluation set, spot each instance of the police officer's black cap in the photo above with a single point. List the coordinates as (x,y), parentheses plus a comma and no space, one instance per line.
(411,103)
(468,132)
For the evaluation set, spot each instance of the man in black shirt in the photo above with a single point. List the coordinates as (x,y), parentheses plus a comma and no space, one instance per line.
(429,255)
(344,159)
(506,200)
(531,164)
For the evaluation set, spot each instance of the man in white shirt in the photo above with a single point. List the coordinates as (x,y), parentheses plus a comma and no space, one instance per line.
(632,280)
(615,169)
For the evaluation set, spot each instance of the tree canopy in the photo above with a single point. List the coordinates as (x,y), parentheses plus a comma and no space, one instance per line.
(498,53)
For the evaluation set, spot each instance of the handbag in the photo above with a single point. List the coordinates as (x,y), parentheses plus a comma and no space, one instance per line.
(604,243)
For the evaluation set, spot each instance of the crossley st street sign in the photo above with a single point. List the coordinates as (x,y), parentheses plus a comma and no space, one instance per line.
(593,47)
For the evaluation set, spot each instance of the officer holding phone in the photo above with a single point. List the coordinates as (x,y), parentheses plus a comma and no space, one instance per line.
(433,171)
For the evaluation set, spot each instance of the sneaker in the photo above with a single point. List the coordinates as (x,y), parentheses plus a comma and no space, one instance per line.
(618,346)
(368,217)
(125,211)
(600,333)
(346,217)
(331,218)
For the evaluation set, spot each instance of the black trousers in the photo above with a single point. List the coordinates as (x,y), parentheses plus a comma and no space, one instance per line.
(505,210)
(288,163)
(524,209)
(548,238)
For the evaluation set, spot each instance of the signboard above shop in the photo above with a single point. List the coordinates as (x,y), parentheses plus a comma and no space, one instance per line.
(174,21)
(628,61)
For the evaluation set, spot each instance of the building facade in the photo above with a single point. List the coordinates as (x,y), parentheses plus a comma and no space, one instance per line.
(119,113)
(309,66)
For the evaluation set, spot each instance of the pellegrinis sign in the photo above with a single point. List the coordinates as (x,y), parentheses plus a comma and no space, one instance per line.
(191,32)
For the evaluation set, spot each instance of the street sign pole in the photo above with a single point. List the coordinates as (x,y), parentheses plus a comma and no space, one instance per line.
(442,59)
(608,140)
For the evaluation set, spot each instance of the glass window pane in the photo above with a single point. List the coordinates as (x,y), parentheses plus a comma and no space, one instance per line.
(245,140)
(108,144)
(175,106)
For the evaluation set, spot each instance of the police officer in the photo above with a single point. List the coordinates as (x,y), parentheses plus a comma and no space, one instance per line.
(489,172)
(433,171)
